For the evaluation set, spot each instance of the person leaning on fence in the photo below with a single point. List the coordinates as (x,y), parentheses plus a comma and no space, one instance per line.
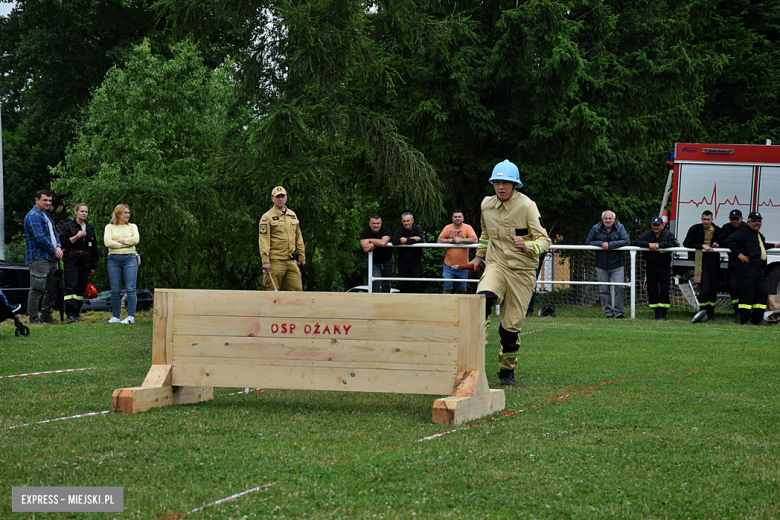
(750,247)
(409,258)
(610,234)
(735,223)
(80,258)
(513,237)
(280,242)
(657,265)
(704,237)
(42,252)
(375,238)
(456,233)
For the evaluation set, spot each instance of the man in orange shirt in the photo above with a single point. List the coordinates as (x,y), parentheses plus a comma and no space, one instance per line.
(456,233)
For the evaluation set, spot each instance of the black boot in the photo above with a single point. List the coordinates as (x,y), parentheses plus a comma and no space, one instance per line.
(737,319)
(509,349)
(710,313)
(506,377)
(657,311)
(663,313)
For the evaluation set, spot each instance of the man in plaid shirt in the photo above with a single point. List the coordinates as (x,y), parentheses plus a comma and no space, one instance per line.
(41,255)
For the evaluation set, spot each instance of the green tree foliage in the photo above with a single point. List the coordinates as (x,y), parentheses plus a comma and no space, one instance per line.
(742,103)
(25,171)
(61,51)
(586,97)
(154,137)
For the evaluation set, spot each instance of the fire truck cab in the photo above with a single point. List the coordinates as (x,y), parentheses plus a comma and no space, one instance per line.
(719,178)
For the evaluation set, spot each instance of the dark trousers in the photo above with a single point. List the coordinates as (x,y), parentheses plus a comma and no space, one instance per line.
(382,271)
(43,288)
(76,279)
(708,296)
(751,282)
(733,287)
(658,286)
(411,269)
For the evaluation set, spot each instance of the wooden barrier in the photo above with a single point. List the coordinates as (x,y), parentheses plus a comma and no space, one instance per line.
(414,344)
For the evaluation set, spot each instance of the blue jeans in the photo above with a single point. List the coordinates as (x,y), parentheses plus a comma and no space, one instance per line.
(382,271)
(449,272)
(122,267)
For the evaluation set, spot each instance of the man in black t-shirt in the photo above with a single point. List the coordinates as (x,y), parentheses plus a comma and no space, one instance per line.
(375,238)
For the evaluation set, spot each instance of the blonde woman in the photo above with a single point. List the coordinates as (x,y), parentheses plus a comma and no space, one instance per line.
(120,238)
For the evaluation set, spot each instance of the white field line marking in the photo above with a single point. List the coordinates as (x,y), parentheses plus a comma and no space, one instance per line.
(233,497)
(90,414)
(48,372)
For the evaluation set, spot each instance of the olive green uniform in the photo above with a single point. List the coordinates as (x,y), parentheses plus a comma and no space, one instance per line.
(280,237)
(510,274)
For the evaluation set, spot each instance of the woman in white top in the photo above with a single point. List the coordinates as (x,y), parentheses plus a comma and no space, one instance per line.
(120,238)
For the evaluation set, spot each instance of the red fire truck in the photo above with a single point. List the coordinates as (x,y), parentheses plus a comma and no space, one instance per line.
(722,177)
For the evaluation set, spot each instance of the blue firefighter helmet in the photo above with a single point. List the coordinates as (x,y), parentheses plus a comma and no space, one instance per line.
(506,171)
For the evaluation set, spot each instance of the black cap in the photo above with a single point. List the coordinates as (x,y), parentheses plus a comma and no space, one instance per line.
(755,215)
(657,220)
(735,213)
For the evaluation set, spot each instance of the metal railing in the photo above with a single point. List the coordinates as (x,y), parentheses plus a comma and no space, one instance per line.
(632,250)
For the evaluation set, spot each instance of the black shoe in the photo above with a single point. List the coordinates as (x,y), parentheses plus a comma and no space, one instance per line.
(37,321)
(528,314)
(751,323)
(73,319)
(49,321)
(737,318)
(506,377)
(620,317)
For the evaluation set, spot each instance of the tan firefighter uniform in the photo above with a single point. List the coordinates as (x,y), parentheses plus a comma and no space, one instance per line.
(280,237)
(510,274)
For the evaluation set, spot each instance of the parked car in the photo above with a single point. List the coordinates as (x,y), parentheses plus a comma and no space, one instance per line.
(102,303)
(15,283)
(364,289)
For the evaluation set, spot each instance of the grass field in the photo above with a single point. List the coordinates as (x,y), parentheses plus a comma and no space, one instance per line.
(610,419)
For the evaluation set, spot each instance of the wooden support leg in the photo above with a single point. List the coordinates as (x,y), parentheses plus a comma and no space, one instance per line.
(471,399)
(157,391)
(471,396)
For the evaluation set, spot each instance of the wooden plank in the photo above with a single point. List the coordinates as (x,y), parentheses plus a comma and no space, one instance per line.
(159,375)
(343,364)
(238,374)
(313,349)
(140,398)
(402,331)
(162,315)
(458,410)
(398,307)
(471,334)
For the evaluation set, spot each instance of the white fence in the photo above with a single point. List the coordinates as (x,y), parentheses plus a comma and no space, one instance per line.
(549,271)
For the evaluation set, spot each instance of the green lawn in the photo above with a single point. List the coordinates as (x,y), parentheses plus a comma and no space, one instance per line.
(620,419)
